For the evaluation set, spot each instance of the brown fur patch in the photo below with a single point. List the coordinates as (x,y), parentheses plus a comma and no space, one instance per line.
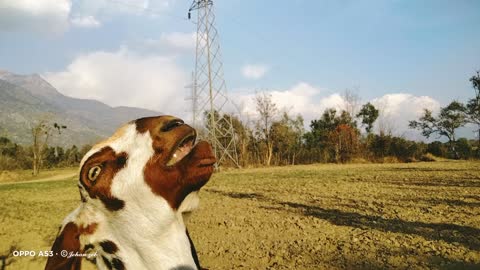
(69,240)
(111,163)
(153,123)
(174,183)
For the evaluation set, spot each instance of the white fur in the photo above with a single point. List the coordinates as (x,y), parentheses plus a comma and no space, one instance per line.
(148,232)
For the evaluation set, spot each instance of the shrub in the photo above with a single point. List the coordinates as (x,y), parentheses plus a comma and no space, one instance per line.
(8,163)
(464,149)
(437,148)
(428,157)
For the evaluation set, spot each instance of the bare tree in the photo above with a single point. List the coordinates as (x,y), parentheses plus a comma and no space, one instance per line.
(41,133)
(267,110)
(244,133)
(352,102)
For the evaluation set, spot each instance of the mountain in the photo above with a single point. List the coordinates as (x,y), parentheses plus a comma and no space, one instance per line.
(25,99)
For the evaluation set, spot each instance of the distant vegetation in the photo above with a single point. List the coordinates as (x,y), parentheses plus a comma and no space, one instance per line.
(278,138)
(14,156)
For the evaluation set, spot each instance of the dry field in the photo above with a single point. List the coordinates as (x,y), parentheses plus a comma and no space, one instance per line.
(368,216)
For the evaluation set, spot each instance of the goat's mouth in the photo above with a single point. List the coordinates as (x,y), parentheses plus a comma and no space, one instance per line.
(182,148)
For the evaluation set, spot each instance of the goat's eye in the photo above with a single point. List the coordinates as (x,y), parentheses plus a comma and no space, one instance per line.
(94,172)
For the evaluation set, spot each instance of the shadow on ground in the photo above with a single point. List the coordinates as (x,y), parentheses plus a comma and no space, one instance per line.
(450,233)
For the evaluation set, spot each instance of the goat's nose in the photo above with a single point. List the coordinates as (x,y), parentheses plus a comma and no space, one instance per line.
(172,124)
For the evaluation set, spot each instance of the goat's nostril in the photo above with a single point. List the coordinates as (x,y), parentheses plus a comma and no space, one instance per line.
(172,124)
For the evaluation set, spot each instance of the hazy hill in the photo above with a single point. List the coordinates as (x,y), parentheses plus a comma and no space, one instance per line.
(25,99)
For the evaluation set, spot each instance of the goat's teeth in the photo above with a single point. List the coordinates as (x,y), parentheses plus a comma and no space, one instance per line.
(175,155)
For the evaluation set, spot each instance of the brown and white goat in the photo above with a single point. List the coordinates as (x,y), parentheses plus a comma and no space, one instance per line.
(135,188)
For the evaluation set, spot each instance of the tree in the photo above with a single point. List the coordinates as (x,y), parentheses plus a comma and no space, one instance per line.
(448,120)
(369,115)
(379,145)
(464,148)
(319,130)
(53,156)
(72,156)
(437,148)
(267,110)
(287,135)
(7,147)
(334,135)
(345,142)
(41,133)
(473,105)
(85,148)
(243,135)
(10,153)
(351,101)
(248,150)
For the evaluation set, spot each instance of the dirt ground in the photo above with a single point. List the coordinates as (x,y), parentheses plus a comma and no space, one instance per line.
(390,216)
(368,216)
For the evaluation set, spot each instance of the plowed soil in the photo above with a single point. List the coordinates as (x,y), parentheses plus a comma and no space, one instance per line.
(387,216)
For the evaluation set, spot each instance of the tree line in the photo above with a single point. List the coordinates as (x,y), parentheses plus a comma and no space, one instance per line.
(14,156)
(279,138)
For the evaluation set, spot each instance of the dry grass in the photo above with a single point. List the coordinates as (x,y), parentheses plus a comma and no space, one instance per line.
(356,216)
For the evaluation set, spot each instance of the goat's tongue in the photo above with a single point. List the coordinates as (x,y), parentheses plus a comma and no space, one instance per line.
(180,153)
(183,151)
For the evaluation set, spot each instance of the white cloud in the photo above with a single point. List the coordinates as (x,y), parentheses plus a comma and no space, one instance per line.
(36,15)
(56,15)
(309,101)
(173,42)
(125,78)
(396,110)
(180,40)
(108,8)
(302,98)
(86,22)
(254,71)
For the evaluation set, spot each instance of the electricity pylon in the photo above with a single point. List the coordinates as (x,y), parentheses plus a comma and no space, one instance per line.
(209,93)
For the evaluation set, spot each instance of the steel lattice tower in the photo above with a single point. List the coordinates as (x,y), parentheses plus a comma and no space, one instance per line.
(209,91)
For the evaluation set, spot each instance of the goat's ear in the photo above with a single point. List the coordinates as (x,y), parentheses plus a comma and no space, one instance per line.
(67,241)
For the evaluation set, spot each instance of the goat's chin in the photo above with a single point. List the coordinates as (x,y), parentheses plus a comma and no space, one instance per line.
(189,204)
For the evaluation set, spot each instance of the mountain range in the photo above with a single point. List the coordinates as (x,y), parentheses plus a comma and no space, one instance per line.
(27,99)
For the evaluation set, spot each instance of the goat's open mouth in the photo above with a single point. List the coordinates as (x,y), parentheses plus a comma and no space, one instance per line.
(182,149)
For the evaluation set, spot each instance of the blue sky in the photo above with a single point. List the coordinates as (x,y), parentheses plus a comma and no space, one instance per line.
(304,52)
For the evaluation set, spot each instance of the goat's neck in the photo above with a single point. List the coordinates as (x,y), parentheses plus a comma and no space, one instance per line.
(155,246)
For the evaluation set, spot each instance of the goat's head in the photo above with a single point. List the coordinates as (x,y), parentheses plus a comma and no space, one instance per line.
(150,156)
